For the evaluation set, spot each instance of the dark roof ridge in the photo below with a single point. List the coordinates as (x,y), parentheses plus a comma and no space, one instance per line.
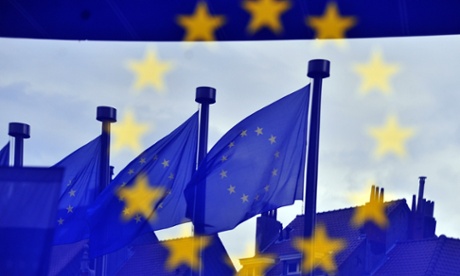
(417,240)
(401,200)
(356,206)
(442,236)
(174,239)
(187,237)
(436,253)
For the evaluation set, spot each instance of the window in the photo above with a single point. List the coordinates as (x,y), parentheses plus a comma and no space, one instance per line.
(292,267)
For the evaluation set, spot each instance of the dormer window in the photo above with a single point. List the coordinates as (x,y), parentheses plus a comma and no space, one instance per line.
(292,267)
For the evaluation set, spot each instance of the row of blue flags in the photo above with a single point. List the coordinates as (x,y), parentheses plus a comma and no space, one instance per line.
(255,167)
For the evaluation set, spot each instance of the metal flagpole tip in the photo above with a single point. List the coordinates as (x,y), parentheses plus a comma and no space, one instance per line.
(106,114)
(318,68)
(19,130)
(205,95)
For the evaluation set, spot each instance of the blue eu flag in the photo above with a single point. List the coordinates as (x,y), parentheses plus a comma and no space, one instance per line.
(255,167)
(28,201)
(147,194)
(5,155)
(78,190)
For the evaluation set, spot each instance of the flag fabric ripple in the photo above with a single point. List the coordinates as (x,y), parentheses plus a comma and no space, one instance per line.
(163,170)
(257,166)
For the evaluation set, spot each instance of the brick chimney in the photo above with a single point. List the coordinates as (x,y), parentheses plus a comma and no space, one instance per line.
(375,235)
(267,230)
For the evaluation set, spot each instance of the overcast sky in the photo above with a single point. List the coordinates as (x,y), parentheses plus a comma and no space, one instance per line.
(55,86)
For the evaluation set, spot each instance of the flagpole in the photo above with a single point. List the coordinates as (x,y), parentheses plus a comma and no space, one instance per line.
(106,115)
(20,132)
(204,96)
(317,70)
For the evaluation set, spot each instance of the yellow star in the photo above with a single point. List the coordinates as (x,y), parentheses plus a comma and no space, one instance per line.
(141,198)
(165,163)
(127,133)
(320,250)
(70,209)
(231,189)
(185,251)
(259,131)
(259,264)
(266,13)
(150,72)
(201,25)
(391,138)
(373,211)
(376,74)
(72,193)
(331,24)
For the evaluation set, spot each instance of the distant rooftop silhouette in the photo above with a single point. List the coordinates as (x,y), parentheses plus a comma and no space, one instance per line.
(408,240)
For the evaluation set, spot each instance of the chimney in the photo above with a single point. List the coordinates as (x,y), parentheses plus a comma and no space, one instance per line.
(267,230)
(421,188)
(413,208)
(375,235)
(372,193)
(422,222)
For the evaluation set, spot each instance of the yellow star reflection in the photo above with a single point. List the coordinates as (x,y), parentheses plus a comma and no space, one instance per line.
(266,13)
(373,211)
(150,72)
(257,265)
(331,24)
(140,198)
(201,25)
(319,251)
(186,251)
(376,74)
(127,133)
(391,138)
